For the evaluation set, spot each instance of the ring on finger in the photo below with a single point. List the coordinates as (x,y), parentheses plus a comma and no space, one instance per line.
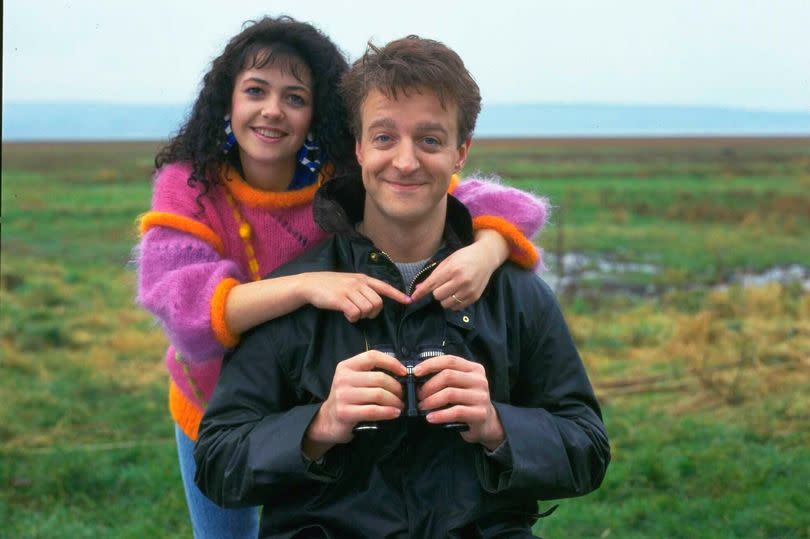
(457,298)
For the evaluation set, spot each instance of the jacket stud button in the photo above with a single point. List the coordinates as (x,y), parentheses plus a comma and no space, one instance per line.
(373,257)
(466,319)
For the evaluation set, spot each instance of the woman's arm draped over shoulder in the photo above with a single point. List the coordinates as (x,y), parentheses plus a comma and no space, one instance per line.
(504,220)
(514,214)
(203,298)
(183,273)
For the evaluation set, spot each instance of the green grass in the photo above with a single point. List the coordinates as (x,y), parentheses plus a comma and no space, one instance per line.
(700,208)
(93,492)
(690,477)
(86,442)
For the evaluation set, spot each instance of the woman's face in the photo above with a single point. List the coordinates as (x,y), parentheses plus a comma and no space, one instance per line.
(271,112)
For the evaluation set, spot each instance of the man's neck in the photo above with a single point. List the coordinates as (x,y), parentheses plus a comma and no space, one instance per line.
(405,242)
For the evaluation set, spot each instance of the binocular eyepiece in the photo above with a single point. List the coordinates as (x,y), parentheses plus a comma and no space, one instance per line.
(410,383)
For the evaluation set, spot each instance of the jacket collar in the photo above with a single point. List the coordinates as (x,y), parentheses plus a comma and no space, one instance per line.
(338,207)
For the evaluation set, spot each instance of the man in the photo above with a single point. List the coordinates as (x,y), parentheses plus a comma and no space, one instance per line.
(421,422)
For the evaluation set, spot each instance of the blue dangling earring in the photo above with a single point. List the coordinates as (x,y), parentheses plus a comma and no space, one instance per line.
(230,138)
(309,160)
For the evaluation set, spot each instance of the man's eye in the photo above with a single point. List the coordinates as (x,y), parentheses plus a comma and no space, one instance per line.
(381,139)
(431,143)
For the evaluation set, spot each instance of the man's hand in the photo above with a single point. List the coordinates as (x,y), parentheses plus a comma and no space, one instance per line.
(360,392)
(459,392)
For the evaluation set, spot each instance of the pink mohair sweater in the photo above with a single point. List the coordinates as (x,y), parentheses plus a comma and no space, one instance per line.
(191,255)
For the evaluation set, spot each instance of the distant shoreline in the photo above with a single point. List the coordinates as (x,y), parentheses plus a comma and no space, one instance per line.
(98,122)
(496,141)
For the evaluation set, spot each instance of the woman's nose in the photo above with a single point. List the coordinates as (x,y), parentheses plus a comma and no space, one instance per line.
(271,108)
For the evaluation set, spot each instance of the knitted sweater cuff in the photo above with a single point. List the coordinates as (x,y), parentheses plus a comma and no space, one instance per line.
(181,223)
(184,412)
(521,250)
(223,333)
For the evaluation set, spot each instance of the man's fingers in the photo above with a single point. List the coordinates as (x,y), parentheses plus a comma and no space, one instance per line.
(369,379)
(452,379)
(374,359)
(453,396)
(352,414)
(347,378)
(439,363)
(379,396)
(458,414)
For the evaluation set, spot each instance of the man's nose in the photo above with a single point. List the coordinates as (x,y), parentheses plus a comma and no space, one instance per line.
(405,159)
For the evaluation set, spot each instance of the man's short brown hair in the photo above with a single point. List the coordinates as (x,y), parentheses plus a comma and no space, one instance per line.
(407,65)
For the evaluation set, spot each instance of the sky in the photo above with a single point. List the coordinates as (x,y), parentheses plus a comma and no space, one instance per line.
(731,53)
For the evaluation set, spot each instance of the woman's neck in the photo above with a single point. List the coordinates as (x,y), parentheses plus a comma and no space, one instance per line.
(268,176)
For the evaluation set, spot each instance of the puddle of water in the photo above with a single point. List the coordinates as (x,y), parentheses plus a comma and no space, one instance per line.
(779,274)
(608,273)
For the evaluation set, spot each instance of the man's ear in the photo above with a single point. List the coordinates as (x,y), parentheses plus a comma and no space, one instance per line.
(358,151)
(463,151)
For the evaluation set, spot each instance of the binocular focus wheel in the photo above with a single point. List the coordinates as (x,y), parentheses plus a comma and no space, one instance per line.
(457,427)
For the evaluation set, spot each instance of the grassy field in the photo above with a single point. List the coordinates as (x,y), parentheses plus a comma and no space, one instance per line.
(706,392)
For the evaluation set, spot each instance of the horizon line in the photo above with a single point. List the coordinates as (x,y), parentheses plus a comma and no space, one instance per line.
(594,104)
(772,137)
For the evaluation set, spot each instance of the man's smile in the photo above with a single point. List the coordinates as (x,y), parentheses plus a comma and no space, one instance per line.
(405,185)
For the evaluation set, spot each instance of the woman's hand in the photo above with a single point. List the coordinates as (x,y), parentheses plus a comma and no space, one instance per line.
(355,294)
(462,277)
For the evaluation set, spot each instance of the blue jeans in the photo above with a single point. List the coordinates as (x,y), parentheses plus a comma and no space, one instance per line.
(208,520)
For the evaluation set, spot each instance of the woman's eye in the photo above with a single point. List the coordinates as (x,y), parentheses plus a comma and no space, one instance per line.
(296,100)
(254,91)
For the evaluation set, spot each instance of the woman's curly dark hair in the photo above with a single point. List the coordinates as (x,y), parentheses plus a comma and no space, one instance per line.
(200,140)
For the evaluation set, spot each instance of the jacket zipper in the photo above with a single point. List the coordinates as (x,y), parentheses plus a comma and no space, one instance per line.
(409,288)
(419,274)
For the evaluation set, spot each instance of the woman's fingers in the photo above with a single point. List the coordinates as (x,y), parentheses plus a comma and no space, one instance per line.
(385,289)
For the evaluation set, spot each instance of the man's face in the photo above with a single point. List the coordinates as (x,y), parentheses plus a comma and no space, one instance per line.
(408,150)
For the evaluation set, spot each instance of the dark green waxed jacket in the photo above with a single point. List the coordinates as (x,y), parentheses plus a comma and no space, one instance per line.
(410,479)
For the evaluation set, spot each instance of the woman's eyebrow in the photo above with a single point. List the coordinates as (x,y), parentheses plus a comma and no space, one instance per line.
(259,80)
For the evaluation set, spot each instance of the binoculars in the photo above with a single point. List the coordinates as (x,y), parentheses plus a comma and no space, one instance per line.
(409,384)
